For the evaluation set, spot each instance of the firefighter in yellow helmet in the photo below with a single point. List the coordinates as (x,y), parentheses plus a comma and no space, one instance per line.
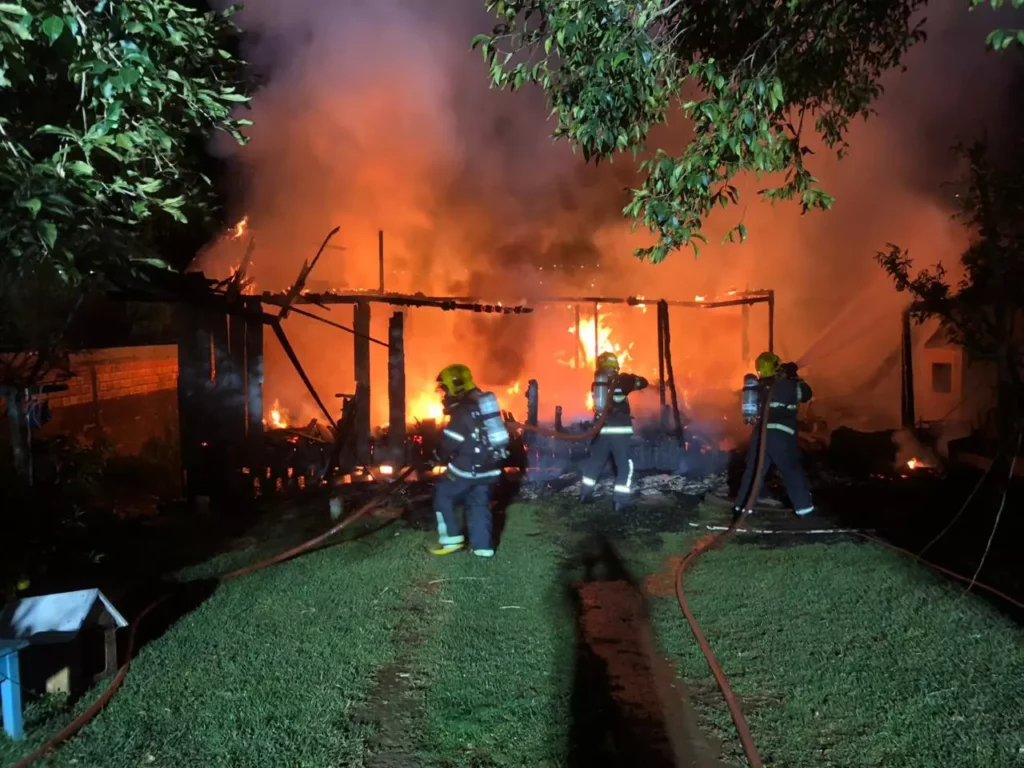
(475,445)
(781,447)
(611,388)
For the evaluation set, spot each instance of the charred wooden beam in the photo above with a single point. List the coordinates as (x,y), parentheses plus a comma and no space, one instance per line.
(333,324)
(532,402)
(286,345)
(361,323)
(300,282)
(476,304)
(380,259)
(663,307)
(396,386)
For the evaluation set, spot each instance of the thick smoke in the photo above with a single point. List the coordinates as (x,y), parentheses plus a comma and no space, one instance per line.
(375,115)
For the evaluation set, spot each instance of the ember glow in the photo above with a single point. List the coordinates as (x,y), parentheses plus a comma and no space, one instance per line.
(916,463)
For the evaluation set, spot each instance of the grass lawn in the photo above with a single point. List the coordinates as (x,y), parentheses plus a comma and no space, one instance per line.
(845,656)
(266,673)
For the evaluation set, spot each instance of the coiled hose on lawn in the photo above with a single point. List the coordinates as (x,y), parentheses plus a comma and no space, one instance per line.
(83,719)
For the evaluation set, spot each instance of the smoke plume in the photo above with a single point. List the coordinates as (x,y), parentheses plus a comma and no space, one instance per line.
(375,115)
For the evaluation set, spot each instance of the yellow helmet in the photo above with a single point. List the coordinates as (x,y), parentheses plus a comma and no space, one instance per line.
(607,361)
(456,379)
(768,364)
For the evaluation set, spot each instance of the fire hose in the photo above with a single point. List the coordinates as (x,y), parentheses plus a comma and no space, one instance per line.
(569,436)
(711,542)
(97,706)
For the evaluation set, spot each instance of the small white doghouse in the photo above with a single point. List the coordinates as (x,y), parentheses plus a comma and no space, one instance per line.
(60,627)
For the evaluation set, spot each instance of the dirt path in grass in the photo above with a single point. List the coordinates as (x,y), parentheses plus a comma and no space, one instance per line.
(395,706)
(629,706)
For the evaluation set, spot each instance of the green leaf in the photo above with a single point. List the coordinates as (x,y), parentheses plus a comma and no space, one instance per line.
(80,168)
(47,232)
(14,10)
(53,27)
(235,97)
(34,205)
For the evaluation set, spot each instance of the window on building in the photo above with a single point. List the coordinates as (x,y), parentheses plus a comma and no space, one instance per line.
(942,378)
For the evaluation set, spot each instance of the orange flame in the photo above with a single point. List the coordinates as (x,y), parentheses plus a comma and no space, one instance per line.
(278,418)
(916,463)
(240,228)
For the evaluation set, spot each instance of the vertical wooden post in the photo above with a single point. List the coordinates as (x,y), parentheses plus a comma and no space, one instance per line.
(663,412)
(380,258)
(254,378)
(771,321)
(597,327)
(361,325)
(532,402)
(663,305)
(396,387)
(558,418)
(907,409)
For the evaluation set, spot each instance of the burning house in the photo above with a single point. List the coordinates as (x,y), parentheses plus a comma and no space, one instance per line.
(237,436)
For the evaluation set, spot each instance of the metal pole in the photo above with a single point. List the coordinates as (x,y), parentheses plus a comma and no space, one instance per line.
(597,327)
(380,258)
(771,321)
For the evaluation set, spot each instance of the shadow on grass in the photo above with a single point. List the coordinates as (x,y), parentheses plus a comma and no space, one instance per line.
(625,709)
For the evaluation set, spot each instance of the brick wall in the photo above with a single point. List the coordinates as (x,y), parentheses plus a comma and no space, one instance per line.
(110,374)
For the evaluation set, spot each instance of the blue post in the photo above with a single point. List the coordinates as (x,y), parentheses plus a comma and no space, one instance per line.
(10,688)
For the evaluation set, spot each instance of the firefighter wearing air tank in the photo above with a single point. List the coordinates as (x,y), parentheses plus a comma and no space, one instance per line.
(611,389)
(475,445)
(787,392)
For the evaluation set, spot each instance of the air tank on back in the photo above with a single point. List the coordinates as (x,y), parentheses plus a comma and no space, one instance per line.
(750,398)
(600,389)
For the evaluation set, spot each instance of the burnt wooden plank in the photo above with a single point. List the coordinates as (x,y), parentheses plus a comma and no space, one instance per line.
(396,386)
(361,324)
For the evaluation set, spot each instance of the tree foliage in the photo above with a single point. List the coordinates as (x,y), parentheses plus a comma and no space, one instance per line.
(1005,37)
(105,108)
(983,312)
(764,77)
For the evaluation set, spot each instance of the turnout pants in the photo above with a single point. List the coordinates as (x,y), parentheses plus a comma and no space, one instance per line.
(475,498)
(616,448)
(782,452)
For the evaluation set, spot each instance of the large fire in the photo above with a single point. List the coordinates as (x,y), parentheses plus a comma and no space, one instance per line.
(605,343)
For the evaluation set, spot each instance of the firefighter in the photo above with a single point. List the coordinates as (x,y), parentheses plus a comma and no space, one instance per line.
(612,388)
(474,444)
(781,448)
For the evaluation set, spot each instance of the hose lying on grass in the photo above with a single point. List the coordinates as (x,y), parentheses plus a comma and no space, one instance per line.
(712,541)
(97,706)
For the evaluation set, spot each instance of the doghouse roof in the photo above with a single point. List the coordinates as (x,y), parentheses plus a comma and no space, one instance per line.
(59,617)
